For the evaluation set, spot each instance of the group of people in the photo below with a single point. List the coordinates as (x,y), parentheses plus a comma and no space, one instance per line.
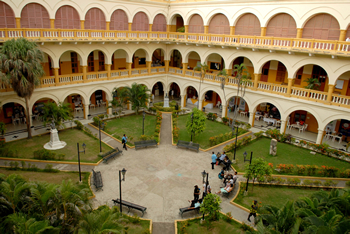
(217,159)
(18,114)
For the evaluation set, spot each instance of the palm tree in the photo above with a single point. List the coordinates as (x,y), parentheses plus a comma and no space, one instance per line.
(242,80)
(21,224)
(20,67)
(57,113)
(224,76)
(138,96)
(203,69)
(102,220)
(120,100)
(312,83)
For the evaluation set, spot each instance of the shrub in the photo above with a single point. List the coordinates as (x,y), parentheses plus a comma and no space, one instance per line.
(225,120)
(80,126)
(44,154)
(317,182)
(311,169)
(134,219)
(293,181)
(285,168)
(301,169)
(48,168)
(330,183)
(345,174)
(258,134)
(228,217)
(329,171)
(279,180)
(347,183)
(307,182)
(246,227)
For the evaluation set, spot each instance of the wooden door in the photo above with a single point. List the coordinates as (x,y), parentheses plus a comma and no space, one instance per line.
(91,66)
(320,74)
(101,61)
(248,25)
(74,62)
(67,17)
(281,72)
(196,24)
(219,25)
(282,25)
(95,19)
(7,17)
(140,22)
(35,15)
(265,72)
(322,26)
(159,23)
(119,21)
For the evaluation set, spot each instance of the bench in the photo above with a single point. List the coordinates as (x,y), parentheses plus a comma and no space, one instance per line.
(130,205)
(188,145)
(143,144)
(113,154)
(187,209)
(97,179)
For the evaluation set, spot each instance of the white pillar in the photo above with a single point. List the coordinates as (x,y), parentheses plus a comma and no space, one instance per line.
(109,111)
(319,136)
(251,118)
(223,111)
(283,126)
(200,104)
(182,101)
(86,111)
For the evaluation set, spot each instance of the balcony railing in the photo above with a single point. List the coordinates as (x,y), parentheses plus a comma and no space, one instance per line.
(290,44)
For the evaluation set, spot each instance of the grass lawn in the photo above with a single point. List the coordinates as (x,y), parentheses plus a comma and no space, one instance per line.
(220,226)
(271,195)
(212,129)
(50,177)
(26,147)
(286,154)
(138,228)
(132,126)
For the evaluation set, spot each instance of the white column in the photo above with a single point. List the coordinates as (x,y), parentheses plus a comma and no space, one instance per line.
(200,104)
(319,136)
(109,111)
(223,111)
(251,118)
(86,111)
(182,101)
(283,126)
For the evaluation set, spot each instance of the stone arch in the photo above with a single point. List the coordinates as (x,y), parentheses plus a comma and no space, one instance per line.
(55,61)
(208,54)
(14,100)
(95,5)
(41,96)
(322,10)
(246,10)
(268,58)
(187,55)
(214,12)
(171,53)
(195,24)
(216,89)
(172,15)
(105,52)
(67,22)
(276,11)
(165,87)
(340,72)
(234,56)
(248,24)
(71,4)
(304,108)
(104,89)
(267,100)
(322,26)
(176,82)
(295,68)
(159,23)
(127,59)
(322,125)
(7,16)
(281,25)
(192,13)
(183,88)
(147,52)
(144,10)
(232,94)
(35,15)
(119,7)
(81,93)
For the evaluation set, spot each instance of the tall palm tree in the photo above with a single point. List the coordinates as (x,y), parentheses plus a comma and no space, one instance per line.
(120,100)
(21,224)
(102,220)
(20,67)
(57,113)
(223,75)
(242,80)
(138,95)
(203,68)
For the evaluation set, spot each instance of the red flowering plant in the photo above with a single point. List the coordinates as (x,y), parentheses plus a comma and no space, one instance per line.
(329,171)
(271,165)
(301,169)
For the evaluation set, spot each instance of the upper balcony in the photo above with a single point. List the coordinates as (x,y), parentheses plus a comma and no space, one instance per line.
(290,45)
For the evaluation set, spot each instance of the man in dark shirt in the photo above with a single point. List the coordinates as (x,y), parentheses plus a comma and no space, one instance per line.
(196,192)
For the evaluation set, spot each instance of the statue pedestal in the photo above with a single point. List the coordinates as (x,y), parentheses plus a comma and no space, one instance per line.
(55,142)
(166,101)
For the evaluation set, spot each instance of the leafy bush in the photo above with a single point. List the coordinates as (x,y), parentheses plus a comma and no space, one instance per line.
(246,227)
(259,134)
(225,120)
(80,126)
(347,183)
(330,183)
(44,154)
(48,168)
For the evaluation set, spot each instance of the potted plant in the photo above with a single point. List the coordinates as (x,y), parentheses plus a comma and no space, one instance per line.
(2,131)
(312,83)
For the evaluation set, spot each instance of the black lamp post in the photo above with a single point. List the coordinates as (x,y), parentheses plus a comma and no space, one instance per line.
(192,128)
(99,130)
(83,151)
(143,123)
(250,162)
(120,186)
(234,154)
(205,174)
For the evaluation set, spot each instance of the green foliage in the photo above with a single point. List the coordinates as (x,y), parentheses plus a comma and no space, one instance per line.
(80,126)
(57,113)
(20,66)
(198,125)
(259,168)
(330,183)
(119,101)
(2,128)
(259,134)
(44,154)
(211,206)
(347,183)
(312,83)
(138,95)
(246,227)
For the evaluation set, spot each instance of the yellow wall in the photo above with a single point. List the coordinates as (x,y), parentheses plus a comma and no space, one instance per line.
(119,63)
(66,67)
(312,123)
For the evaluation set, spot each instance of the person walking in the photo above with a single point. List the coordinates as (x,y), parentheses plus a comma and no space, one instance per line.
(213,160)
(253,210)
(124,140)
(196,192)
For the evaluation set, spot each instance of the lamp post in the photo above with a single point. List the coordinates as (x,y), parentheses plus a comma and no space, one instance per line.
(143,123)
(121,172)
(99,130)
(205,174)
(192,127)
(250,162)
(83,151)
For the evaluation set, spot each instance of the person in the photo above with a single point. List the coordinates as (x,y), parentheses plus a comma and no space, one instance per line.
(206,191)
(213,160)
(195,203)
(172,94)
(222,157)
(221,174)
(196,192)
(227,163)
(227,178)
(253,210)
(227,189)
(235,177)
(124,140)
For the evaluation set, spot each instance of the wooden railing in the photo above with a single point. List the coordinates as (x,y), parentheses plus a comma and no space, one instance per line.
(297,44)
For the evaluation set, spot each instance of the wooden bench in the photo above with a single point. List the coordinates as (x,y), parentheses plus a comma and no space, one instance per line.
(143,144)
(130,205)
(112,154)
(97,179)
(187,209)
(188,145)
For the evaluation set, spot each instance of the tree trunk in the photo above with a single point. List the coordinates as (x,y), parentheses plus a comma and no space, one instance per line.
(28,119)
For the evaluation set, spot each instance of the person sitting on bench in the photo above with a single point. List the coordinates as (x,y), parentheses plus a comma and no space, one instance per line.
(221,174)
(235,177)
(222,158)
(227,189)
(227,178)
(227,163)
(195,203)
